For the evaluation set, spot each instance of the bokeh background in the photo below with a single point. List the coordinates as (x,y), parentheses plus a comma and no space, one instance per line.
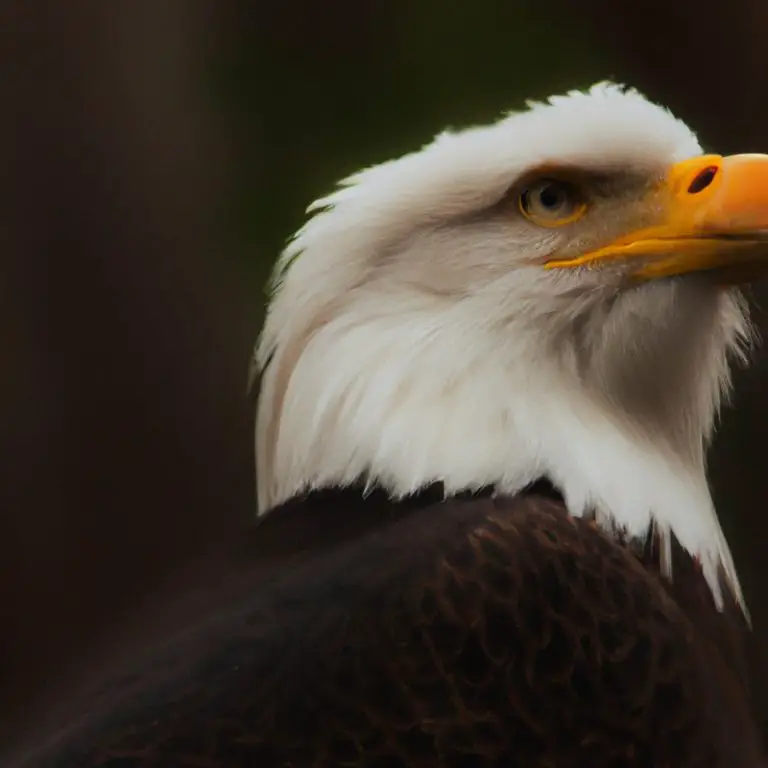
(154,156)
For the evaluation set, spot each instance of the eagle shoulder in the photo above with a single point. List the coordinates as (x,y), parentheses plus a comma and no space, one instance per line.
(480,631)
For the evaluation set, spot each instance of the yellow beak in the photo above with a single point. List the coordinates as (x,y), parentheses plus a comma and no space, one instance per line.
(714,216)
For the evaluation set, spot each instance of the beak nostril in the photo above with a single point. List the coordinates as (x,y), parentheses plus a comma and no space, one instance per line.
(702,180)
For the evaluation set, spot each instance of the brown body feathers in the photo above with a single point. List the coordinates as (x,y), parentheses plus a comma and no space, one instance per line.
(469,632)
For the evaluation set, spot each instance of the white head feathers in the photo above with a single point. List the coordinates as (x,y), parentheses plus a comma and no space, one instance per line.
(413,336)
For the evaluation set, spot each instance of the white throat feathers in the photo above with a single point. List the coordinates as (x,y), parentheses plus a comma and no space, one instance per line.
(413,336)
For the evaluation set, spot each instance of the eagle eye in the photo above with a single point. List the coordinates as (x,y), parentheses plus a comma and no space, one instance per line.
(551,203)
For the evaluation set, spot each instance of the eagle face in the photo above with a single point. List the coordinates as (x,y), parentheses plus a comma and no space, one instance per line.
(548,296)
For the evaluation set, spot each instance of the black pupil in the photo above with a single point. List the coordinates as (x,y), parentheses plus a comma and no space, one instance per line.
(552,196)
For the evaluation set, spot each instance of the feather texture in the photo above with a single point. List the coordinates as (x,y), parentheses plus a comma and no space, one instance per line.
(469,632)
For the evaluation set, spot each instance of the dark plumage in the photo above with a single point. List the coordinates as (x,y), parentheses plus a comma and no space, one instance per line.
(470,632)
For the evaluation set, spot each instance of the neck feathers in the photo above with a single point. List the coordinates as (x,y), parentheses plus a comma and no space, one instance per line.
(402,396)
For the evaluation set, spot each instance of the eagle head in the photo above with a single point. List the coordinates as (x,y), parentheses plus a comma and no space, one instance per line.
(550,296)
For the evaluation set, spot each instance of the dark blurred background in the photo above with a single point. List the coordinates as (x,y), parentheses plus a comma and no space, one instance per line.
(154,156)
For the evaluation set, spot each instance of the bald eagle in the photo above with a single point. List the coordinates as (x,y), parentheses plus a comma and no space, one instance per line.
(489,373)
